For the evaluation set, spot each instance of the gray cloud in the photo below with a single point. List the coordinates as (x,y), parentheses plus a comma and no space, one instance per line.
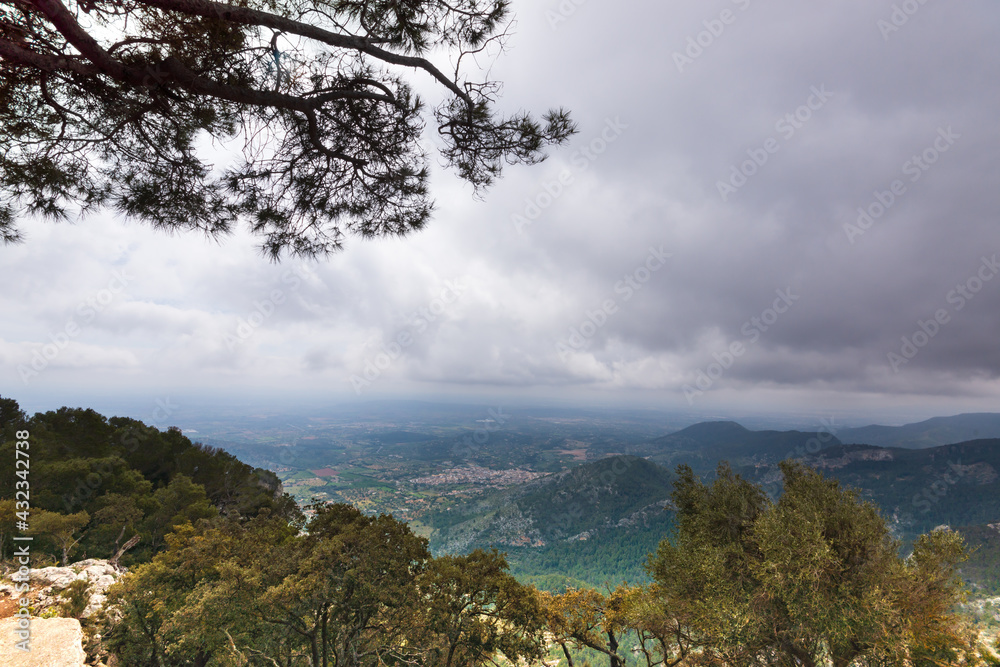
(653,184)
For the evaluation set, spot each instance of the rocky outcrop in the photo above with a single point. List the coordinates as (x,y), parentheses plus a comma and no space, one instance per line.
(850,455)
(643,515)
(978,473)
(47,582)
(55,642)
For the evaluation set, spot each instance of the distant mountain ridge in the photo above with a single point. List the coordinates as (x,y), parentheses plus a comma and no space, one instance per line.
(704,444)
(932,432)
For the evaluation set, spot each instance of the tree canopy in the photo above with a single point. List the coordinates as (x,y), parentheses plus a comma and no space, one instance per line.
(812,579)
(97,483)
(110,104)
(353,591)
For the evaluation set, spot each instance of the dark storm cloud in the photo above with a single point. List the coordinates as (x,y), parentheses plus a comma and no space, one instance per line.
(842,110)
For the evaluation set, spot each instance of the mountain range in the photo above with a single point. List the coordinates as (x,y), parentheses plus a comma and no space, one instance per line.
(930,433)
(707,443)
(620,505)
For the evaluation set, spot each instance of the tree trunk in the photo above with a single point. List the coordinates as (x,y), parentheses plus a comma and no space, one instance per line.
(325,638)
(569,658)
(315,650)
(118,554)
(615,659)
(804,657)
(845,660)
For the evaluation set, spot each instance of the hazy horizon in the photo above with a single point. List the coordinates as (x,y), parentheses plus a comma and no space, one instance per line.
(188,410)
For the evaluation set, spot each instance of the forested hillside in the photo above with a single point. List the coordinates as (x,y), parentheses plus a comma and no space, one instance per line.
(957,485)
(609,556)
(573,505)
(578,526)
(97,483)
(982,569)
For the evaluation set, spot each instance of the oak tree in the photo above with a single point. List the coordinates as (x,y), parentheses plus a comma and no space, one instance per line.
(627,620)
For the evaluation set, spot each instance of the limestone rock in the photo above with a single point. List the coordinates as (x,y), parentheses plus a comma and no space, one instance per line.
(47,582)
(55,642)
(57,577)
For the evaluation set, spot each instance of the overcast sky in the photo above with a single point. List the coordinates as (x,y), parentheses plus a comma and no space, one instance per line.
(697,246)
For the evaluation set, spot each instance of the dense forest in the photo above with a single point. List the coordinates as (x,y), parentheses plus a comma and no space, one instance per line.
(97,483)
(608,557)
(983,566)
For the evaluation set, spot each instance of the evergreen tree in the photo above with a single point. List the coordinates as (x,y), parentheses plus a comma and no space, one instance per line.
(102,104)
(812,579)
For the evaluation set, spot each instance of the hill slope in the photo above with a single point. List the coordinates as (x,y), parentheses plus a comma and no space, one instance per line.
(617,491)
(918,489)
(112,479)
(983,566)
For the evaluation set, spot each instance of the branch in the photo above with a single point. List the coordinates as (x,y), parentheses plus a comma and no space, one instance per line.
(204,86)
(317,143)
(66,24)
(46,63)
(253,17)
(569,658)
(146,77)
